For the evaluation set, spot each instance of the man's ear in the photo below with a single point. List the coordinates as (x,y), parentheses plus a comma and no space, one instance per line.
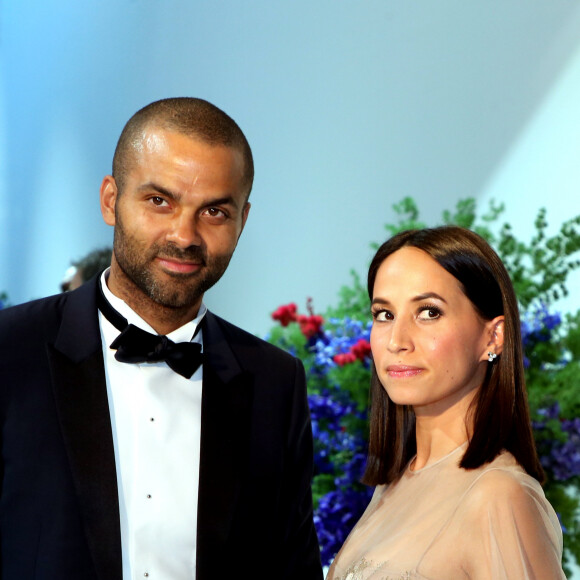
(109,194)
(245,213)
(495,334)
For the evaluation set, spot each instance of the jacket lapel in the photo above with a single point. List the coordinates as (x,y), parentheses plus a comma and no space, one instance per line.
(78,378)
(225,432)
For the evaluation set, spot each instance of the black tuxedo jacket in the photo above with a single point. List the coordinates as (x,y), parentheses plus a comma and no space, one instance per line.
(59,513)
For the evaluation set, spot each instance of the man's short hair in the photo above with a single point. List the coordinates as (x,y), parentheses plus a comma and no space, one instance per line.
(189,116)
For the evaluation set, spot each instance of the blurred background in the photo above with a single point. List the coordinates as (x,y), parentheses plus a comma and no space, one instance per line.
(349,107)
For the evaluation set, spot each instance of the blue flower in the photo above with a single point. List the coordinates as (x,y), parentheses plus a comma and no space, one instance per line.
(561,457)
(537,325)
(337,513)
(552,412)
(339,339)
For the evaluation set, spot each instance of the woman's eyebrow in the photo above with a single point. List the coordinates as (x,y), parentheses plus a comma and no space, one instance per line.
(418,298)
(427,295)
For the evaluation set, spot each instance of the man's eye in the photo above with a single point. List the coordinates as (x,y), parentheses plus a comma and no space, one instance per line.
(156,200)
(215,212)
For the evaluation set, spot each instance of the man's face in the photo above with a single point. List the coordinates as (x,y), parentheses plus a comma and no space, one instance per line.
(177,220)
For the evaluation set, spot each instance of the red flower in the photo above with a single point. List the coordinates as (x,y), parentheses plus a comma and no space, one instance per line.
(285,314)
(310,325)
(362,349)
(358,351)
(344,358)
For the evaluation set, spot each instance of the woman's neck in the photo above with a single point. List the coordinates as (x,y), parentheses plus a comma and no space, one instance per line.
(439,432)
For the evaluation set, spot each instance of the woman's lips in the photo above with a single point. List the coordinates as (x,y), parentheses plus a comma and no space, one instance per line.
(403,371)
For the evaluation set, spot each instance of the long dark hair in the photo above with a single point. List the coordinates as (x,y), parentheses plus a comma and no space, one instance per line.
(501,418)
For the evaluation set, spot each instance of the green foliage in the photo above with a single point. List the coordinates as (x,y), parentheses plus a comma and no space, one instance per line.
(353,301)
(321,485)
(350,378)
(290,339)
(571,339)
(408,213)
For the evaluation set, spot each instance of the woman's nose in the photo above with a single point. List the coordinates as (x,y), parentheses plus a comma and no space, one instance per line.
(400,336)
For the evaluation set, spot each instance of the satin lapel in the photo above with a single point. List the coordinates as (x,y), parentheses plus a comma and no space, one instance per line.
(225,432)
(78,378)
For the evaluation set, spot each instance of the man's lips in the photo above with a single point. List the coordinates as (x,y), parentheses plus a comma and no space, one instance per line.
(403,371)
(179,266)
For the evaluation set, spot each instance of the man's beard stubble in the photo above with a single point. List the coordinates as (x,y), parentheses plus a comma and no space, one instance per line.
(181,290)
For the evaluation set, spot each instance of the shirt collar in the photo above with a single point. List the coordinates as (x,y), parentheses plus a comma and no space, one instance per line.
(182,334)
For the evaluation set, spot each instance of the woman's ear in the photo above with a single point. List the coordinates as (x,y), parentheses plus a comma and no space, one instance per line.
(495,333)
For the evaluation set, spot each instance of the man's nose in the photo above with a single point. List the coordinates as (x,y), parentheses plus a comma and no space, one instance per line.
(184,231)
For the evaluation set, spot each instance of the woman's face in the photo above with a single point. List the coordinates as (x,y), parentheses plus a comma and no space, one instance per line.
(429,344)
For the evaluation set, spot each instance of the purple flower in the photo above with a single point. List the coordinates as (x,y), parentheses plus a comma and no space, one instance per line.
(340,452)
(552,412)
(337,513)
(559,453)
(538,325)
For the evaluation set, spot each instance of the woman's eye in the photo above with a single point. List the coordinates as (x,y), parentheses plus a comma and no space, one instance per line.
(429,313)
(382,315)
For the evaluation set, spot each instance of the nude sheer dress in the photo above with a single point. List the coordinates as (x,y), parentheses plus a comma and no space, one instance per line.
(444,522)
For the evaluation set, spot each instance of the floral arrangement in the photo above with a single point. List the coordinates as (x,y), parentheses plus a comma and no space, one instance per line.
(335,350)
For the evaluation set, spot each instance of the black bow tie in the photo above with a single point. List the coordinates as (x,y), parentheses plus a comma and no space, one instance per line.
(135,345)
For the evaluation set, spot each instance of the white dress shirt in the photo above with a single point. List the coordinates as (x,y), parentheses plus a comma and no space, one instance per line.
(156,422)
